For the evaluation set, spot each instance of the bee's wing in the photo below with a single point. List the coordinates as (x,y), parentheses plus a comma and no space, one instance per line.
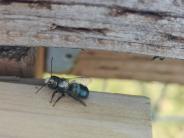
(84,81)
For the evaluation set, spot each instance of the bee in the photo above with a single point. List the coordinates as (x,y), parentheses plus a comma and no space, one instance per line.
(64,87)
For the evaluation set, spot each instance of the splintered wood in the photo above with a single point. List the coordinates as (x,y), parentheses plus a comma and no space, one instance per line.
(24,114)
(138,26)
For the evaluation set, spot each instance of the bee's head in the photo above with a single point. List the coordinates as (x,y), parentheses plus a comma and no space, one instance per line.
(52,82)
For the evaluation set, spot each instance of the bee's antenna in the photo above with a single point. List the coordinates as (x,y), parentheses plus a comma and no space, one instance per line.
(47,82)
(40,88)
(51,63)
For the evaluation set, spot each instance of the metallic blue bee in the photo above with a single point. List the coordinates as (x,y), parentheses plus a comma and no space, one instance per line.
(63,86)
(79,90)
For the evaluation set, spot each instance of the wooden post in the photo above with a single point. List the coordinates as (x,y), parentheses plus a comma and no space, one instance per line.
(26,114)
(39,62)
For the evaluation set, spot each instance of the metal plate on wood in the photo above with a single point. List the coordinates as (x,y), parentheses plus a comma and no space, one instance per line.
(63,59)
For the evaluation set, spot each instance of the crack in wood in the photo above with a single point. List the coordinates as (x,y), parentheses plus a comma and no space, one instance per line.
(120,11)
(32,4)
(115,10)
(101,31)
(172,37)
(53,2)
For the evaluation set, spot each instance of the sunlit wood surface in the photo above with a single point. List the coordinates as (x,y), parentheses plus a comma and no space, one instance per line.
(24,114)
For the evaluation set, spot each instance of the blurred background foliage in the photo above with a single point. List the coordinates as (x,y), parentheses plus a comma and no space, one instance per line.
(167,101)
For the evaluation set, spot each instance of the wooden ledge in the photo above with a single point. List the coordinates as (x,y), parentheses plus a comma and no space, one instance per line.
(25,114)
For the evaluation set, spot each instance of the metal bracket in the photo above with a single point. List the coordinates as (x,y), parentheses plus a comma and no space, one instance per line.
(63,59)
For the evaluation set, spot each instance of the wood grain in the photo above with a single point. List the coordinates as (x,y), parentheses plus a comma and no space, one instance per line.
(136,26)
(25,114)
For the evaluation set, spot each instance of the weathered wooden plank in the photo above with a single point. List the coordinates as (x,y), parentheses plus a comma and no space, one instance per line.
(25,114)
(168,7)
(136,26)
(105,64)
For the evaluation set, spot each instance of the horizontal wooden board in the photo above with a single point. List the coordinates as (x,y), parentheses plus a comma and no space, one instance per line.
(105,64)
(136,26)
(25,114)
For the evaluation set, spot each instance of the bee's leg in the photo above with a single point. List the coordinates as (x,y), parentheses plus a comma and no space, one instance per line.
(79,100)
(53,94)
(63,94)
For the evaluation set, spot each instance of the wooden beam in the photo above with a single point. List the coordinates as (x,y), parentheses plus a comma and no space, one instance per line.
(25,114)
(136,26)
(105,64)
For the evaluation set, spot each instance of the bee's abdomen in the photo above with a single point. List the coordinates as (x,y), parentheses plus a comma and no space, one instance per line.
(84,92)
(78,90)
